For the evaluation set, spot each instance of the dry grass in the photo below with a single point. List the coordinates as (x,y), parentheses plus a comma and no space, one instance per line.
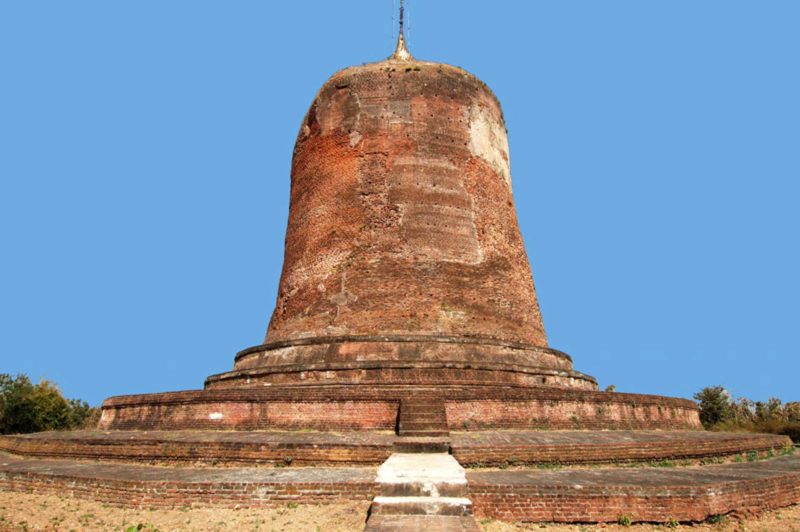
(22,511)
(26,512)
(784,520)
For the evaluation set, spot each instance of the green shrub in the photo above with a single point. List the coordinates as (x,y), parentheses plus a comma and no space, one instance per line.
(719,412)
(792,430)
(715,405)
(25,407)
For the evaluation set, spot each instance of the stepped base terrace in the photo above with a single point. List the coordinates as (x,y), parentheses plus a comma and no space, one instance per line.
(362,448)
(375,407)
(595,494)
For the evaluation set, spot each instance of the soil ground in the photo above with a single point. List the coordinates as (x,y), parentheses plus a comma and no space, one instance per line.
(784,520)
(26,512)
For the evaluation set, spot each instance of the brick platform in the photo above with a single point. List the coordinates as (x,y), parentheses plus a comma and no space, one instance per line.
(401,359)
(167,487)
(587,495)
(217,448)
(642,494)
(489,448)
(374,407)
(593,447)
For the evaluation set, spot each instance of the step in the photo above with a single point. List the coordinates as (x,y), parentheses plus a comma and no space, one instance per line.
(428,523)
(424,408)
(459,506)
(440,418)
(420,414)
(425,433)
(423,416)
(422,425)
(421,445)
(423,488)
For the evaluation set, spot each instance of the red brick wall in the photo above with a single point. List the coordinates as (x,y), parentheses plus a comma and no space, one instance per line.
(400,220)
(334,415)
(200,451)
(675,448)
(591,504)
(143,494)
(565,503)
(566,414)
(373,407)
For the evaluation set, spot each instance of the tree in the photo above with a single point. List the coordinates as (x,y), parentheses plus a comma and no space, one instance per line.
(715,405)
(16,414)
(25,407)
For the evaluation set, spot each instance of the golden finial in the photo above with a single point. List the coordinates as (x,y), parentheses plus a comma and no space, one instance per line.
(401,53)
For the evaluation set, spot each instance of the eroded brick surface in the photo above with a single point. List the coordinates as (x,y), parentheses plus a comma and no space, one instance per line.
(376,408)
(642,494)
(586,447)
(301,448)
(167,487)
(401,214)
(588,495)
(213,448)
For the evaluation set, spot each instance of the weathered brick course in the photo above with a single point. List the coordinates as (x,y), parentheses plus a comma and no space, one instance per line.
(300,448)
(642,494)
(160,487)
(366,407)
(588,495)
(495,448)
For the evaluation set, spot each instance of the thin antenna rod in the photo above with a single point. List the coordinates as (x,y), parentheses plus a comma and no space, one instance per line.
(402,15)
(401,53)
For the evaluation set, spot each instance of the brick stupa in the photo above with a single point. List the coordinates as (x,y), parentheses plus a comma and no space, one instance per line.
(405,287)
(407,334)
(404,262)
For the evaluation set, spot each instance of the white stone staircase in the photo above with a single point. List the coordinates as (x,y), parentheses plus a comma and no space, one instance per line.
(421,490)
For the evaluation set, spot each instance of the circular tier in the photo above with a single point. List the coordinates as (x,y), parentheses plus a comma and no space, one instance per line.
(380,407)
(488,448)
(401,360)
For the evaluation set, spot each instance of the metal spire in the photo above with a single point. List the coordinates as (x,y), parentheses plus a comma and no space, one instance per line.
(401,53)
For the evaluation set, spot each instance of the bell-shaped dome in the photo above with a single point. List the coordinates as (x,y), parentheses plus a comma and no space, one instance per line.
(402,219)
(403,252)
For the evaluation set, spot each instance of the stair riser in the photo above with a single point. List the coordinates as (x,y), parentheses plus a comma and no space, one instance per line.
(427,523)
(422,489)
(419,508)
(423,416)
(422,426)
(420,447)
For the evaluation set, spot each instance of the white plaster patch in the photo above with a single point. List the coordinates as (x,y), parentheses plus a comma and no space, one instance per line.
(214,416)
(488,140)
(355,138)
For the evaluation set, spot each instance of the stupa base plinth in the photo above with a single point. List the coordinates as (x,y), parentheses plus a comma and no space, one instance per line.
(572,495)
(401,360)
(493,448)
(380,407)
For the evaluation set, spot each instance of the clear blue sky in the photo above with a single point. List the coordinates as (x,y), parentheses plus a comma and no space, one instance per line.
(144,173)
